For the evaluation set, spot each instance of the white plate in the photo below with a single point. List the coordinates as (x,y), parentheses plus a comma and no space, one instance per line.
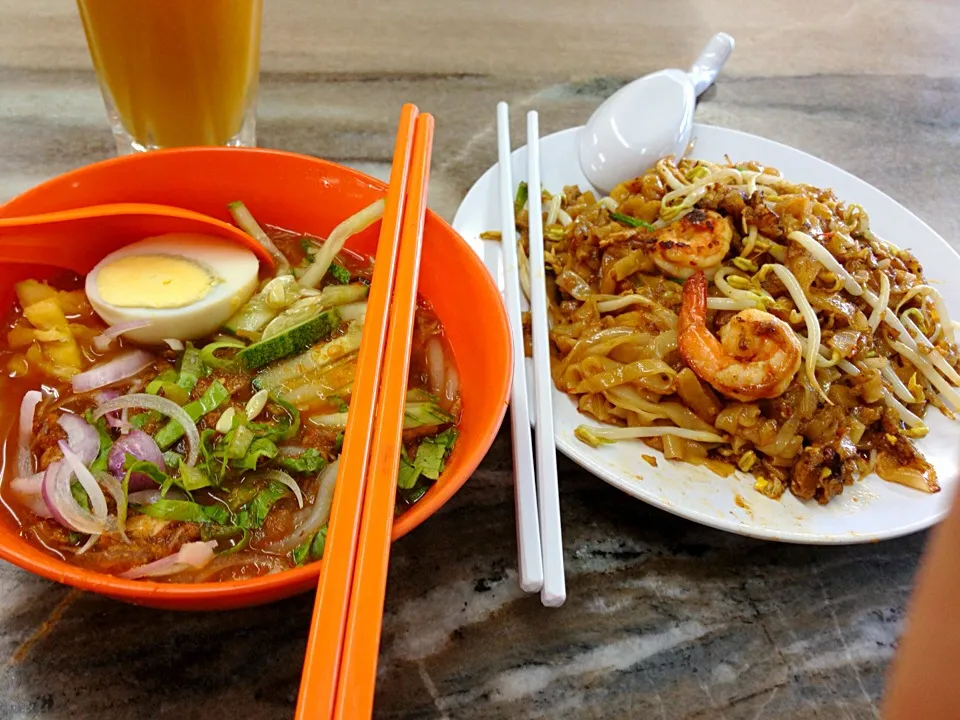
(868,510)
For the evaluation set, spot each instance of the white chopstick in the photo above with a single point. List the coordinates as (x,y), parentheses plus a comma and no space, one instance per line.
(525,488)
(554,590)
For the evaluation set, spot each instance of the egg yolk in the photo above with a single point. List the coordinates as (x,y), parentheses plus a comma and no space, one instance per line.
(153,281)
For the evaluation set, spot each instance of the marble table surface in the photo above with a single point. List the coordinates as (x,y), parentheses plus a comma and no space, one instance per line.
(665,619)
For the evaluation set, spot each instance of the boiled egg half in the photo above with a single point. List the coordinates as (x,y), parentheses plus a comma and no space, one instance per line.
(181,286)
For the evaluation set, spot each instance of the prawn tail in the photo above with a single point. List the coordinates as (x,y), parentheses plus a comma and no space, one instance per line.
(693,310)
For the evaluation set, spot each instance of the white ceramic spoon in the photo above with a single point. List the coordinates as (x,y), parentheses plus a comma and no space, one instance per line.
(647,119)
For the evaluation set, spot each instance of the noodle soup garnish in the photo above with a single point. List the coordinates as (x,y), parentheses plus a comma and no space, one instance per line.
(181,418)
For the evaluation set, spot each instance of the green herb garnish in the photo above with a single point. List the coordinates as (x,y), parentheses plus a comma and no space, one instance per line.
(631,221)
(310,462)
(521,199)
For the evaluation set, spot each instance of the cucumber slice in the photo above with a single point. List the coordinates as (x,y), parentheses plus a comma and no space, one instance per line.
(309,307)
(310,362)
(291,341)
(263,307)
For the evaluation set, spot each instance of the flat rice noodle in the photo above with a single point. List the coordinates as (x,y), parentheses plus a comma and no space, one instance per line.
(681,415)
(787,442)
(832,303)
(653,375)
(601,343)
(574,285)
(700,399)
(630,264)
(845,341)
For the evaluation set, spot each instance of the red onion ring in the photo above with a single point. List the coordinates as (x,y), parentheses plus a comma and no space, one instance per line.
(28,408)
(102,341)
(282,477)
(98,501)
(82,437)
(29,491)
(141,446)
(192,554)
(310,519)
(161,405)
(120,368)
(63,507)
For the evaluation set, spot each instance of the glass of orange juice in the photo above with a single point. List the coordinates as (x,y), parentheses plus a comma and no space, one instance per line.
(176,72)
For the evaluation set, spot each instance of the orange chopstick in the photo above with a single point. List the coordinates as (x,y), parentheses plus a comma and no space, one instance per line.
(358,668)
(318,683)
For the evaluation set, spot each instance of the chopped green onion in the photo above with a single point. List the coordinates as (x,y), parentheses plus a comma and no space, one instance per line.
(171,391)
(213,398)
(521,199)
(191,368)
(631,221)
(209,354)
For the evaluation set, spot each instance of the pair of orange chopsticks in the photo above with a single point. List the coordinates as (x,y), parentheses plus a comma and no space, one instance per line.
(339,673)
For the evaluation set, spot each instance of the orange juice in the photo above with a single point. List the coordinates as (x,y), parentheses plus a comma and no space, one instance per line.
(177,72)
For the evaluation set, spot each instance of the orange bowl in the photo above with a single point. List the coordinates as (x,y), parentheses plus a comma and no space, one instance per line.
(311,196)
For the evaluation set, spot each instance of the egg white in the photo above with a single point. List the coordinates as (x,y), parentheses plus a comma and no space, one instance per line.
(234,268)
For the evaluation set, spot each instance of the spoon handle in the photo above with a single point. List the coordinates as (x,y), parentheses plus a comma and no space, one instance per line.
(710,61)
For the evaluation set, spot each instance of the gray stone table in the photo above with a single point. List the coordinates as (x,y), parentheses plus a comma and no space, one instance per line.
(665,619)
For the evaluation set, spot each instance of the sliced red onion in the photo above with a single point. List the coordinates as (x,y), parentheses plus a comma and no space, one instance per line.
(104,395)
(310,519)
(143,447)
(102,341)
(174,344)
(98,501)
(120,368)
(149,497)
(66,510)
(91,541)
(81,436)
(29,491)
(282,477)
(115,488)
(119,423)
(161,405)
(28,408)
(193,554)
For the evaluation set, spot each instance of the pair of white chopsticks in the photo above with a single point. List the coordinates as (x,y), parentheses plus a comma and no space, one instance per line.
(537,496)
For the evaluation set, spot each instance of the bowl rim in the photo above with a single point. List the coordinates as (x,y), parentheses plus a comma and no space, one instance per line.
(259,589)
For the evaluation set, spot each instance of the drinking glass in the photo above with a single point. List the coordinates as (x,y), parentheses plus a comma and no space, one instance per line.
(175,73)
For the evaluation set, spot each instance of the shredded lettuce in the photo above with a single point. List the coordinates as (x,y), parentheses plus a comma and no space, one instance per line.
(339,273)
(79,494)
(100,424)
(312,548)
(429,461)
(310,462)
(258,448)
(132,465)
(186,511)
(255,513)
(192,478)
